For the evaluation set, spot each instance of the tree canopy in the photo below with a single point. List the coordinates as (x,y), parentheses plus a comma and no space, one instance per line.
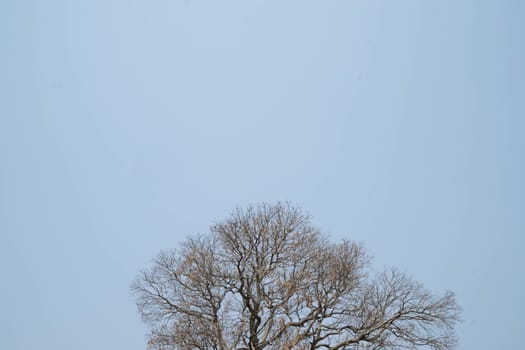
(266,278)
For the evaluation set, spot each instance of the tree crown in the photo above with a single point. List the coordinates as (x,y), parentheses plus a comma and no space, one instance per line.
(265,278)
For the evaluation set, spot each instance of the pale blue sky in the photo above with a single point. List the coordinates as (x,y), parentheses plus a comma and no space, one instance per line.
(126,126)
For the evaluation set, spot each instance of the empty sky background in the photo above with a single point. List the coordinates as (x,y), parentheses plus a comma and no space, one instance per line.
(126,126)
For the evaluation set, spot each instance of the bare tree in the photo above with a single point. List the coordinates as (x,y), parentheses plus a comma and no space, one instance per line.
(265,278)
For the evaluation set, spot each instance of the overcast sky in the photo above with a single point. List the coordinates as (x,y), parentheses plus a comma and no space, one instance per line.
(126,126)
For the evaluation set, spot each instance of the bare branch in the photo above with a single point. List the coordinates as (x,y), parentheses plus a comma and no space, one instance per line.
(265,278)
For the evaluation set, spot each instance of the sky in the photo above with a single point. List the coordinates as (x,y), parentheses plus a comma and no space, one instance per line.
(127,126)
